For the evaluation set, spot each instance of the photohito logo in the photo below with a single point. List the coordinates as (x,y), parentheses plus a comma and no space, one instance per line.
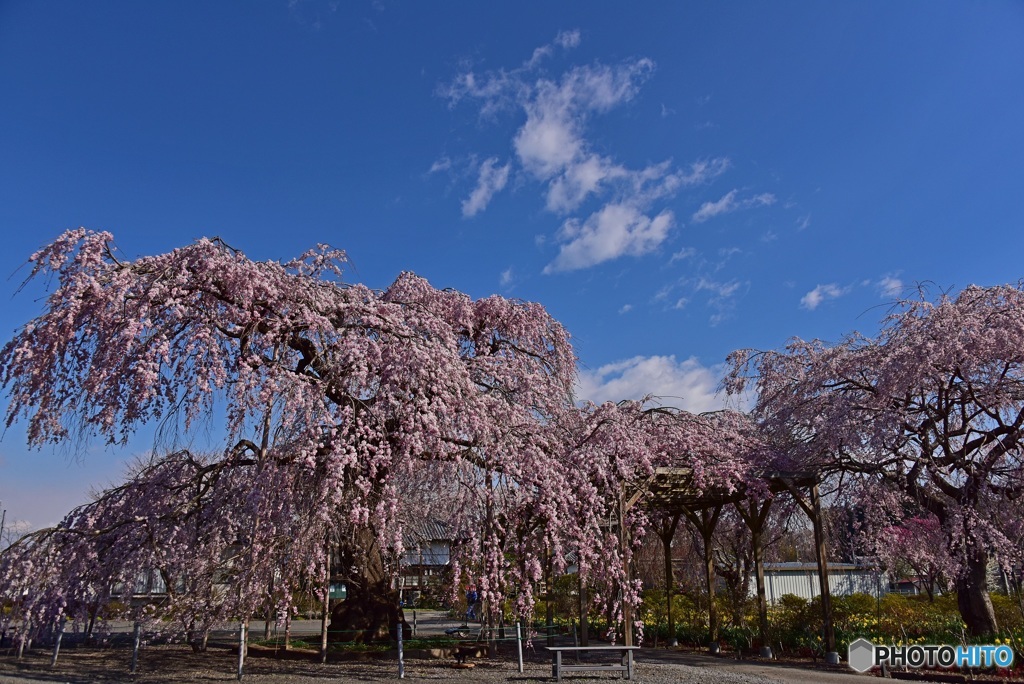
(863,655)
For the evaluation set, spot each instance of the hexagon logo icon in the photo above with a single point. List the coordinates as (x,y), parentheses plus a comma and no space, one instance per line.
(861,655)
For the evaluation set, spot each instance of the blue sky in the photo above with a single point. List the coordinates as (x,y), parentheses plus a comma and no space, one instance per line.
(672,184)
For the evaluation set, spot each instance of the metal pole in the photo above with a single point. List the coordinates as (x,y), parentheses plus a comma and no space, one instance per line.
(323,622)
(241,649)
(519,645)
(136,639)
(327,606)
(401,653)
(575,640)
(26,625)
(60,635)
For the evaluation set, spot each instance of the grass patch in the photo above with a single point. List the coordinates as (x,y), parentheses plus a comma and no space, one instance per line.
(353,647)
(278,642)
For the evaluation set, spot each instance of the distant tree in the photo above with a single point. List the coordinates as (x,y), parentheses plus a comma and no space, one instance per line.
(917,546)
(931,409)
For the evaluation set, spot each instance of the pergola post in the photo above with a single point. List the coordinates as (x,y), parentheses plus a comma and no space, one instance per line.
(706,521)
(813,511)
(755,518)
(667,532)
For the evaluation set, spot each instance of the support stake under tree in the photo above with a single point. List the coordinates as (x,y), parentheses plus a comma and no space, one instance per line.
(519,645)
(26,625)
(136,640)
(56,643)
(401,652)
(241,648)
(323,619)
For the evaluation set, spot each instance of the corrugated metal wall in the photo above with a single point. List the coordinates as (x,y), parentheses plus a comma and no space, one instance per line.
(804,583)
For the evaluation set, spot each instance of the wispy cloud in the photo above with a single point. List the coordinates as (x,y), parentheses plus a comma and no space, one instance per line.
(552,148)
(568,39)
(684,384)
(890,286)
(728,203)
(804,222)
(815,297)
(506,277)
(720,296)
(442,164)
(721,290)
(625,308)
(491,179)
(723,297)
(684,253)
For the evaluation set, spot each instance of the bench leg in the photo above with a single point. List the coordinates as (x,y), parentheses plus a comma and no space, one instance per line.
(556,666)
(629,664)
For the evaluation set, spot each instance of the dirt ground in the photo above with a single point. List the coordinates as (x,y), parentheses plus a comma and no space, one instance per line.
(175,663)
(178,664)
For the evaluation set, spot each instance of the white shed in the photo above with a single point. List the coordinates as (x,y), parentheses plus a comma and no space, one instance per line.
(801,579)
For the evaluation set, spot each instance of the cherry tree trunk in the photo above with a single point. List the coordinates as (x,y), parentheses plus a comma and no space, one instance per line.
(367,614)
(972,595)
(371,608)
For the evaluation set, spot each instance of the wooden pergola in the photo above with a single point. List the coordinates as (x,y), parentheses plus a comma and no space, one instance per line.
(672,492)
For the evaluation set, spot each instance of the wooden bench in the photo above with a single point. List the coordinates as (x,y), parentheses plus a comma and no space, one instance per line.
(625,663)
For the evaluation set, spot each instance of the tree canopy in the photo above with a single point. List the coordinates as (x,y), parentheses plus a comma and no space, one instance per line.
(929,413)
(343,412)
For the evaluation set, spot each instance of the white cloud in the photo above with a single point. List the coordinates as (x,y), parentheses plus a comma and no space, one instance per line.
(890,286)
(442,164)
(728,204)
(718,296)
(614,230)
(684,384)
(506,277)
(551,138)
(812,299)
(492,179)
(711,209)
(705,170)
(580,179)
(684,253)
(552,147)
(721,290)
(803,222)
(625,308)
(568,39)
